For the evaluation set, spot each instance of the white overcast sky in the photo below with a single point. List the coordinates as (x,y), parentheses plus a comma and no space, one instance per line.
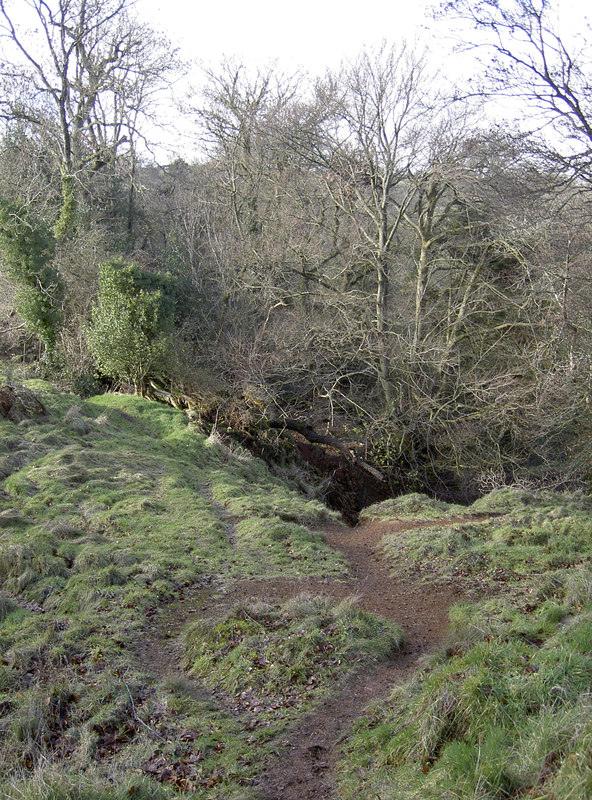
(306,35)
(310,34)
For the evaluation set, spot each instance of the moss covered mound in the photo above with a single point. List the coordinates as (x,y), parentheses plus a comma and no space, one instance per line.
(505,712)
(111,509)
(414,506)
(288,656)
(537,532)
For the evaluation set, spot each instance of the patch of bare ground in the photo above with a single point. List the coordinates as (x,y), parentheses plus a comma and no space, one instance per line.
(305,757)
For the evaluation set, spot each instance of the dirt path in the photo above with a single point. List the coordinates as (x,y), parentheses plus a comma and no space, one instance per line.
(303,769)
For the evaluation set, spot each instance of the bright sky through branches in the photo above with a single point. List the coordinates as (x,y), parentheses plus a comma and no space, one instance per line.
(311,36)
(314,35)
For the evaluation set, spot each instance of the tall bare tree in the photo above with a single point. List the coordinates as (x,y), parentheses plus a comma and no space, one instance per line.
(94,68)
(530,60)
(377,139)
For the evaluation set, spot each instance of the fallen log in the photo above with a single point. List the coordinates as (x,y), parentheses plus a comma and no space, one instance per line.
(181,402)
(330,441)
(185,403)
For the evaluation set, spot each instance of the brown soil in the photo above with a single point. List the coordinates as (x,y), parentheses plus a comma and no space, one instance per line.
(303,769)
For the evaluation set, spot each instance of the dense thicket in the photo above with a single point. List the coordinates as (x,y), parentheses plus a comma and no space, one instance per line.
(360,252)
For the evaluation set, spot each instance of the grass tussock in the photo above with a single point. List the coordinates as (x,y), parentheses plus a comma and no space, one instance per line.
(278,660)
(529,533)
(505,711)
(414,506)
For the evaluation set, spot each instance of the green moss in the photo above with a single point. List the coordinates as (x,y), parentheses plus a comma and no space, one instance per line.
(414,506)
(103,524)
(506,709)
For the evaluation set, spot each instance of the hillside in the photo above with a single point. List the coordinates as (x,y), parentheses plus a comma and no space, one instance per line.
(111,511)
(504,710)
(177,621)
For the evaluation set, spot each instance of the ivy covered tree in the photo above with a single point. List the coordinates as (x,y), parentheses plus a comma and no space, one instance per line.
(88,74)
(27,248)
(129,336)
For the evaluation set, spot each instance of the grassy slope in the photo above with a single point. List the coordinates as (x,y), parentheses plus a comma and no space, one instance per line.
(506,711)
(110,509)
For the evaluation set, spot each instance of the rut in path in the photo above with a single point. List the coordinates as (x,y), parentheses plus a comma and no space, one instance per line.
(303,768)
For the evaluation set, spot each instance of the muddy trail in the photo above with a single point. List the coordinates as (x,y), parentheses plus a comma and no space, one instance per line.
(303,768)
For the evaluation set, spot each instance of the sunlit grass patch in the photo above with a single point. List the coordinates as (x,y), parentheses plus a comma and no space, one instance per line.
(109,510)
(509,498)
(276,660)
(505,713)
(141,484)
(266,546)
(535,537)
(250,490)
(414,506)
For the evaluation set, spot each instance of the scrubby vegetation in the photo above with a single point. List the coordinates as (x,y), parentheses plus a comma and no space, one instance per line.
(115,508)
(364,255)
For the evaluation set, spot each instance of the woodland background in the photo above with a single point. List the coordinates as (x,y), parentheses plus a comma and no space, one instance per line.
(367,253)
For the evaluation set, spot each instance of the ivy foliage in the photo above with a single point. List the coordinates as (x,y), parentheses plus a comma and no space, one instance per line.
(129,336)
(66,223)
(27,248)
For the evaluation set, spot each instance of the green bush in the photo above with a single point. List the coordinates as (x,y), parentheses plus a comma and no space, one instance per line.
(27,248)
(129,336)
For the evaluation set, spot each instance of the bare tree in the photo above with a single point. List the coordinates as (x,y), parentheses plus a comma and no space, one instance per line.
(374,147)
(531,61)
(94,68)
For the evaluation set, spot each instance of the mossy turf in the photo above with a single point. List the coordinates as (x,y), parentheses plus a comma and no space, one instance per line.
(414,506)
(109,510)
(527,533)
(505,711)
(282,658)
